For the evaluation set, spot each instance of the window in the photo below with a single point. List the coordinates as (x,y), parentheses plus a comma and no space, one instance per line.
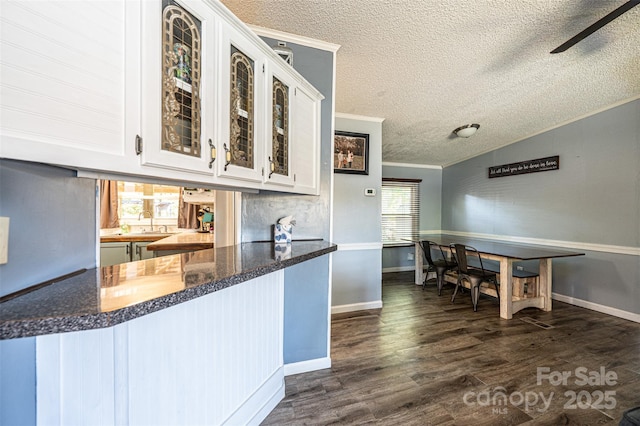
(400,210)
(162,201)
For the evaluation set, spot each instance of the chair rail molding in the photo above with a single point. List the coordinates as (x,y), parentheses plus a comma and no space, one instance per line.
(605,248)
(359,246)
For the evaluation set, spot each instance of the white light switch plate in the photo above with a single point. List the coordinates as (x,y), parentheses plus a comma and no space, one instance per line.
(4,239)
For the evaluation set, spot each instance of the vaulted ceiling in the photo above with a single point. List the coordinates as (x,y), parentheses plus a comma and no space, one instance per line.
(429,66)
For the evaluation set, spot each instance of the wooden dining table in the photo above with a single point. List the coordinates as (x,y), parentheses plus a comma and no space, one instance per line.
(506,254)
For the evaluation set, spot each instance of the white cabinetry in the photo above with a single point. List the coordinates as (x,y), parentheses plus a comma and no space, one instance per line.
(242,116)
(178,86)
(306,141)
(176,90)
(279,113)
(69,83)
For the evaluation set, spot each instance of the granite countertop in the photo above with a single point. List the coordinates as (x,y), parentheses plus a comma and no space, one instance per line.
(104,297)
(184,241)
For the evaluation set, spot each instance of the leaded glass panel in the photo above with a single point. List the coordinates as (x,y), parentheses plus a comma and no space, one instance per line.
(181,57)
(280,145)
(242,109)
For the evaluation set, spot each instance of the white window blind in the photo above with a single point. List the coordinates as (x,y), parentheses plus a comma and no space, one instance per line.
(400,210)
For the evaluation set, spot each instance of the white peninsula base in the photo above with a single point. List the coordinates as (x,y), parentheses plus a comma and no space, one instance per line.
(216,360)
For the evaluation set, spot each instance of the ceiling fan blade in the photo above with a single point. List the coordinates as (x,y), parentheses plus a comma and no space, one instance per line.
(596,26)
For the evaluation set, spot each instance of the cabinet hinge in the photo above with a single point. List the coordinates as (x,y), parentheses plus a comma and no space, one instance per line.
(138,145)
(294,177)
(263,68)
(263,172)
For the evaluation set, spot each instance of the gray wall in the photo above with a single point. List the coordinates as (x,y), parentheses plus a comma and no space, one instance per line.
(18,382)
(305,296)
(52,225)
(312,214)
(396,258)
(357,220)
(51,233)
(593,198)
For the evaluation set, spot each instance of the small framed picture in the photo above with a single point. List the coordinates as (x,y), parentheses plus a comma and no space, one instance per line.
(351,153)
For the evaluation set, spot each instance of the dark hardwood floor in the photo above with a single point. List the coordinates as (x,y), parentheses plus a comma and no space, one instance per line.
(421,360)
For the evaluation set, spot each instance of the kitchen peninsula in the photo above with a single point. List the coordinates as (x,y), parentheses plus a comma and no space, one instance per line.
(195,337)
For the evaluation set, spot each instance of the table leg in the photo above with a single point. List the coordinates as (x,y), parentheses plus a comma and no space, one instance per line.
(506,288)
(545,282)
(418,261)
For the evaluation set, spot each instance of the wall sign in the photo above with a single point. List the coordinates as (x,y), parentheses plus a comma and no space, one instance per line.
(523,167)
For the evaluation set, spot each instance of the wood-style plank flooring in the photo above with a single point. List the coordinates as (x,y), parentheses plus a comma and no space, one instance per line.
(421,360)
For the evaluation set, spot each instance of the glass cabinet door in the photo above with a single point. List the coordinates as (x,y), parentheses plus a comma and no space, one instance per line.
(279,159)
(242,110)
(181,62)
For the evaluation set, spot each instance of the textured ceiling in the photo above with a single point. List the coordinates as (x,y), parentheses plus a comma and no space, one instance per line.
(429,66)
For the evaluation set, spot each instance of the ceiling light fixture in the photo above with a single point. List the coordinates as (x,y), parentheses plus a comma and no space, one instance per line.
(466,130)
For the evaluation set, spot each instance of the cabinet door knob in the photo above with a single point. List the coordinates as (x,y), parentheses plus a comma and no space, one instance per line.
(213,153)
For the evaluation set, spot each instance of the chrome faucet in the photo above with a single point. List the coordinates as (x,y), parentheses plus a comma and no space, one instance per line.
(150,217)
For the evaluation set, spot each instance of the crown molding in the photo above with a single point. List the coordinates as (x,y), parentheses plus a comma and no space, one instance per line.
(294,38)
(359,117)
(412,166)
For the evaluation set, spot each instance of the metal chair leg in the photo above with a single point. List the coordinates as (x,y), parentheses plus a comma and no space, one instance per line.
(455,290)
(475,296)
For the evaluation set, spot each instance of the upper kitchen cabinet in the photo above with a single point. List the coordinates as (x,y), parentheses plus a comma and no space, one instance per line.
(242,132)
(306,140)
(278,130)
(179,86)
(69,83)
(160,89)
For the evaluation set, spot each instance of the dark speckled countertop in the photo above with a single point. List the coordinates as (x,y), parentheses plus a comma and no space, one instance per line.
(104,297)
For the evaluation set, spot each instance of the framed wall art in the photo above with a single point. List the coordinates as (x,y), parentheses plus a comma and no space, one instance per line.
(351,153)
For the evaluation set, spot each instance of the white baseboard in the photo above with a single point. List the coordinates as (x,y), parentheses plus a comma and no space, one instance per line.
(306,366)
(258,406)
(597,307)
(399,269)
(356,307)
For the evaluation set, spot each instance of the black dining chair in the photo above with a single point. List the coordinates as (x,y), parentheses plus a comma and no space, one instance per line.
(475,276)
(440,266)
